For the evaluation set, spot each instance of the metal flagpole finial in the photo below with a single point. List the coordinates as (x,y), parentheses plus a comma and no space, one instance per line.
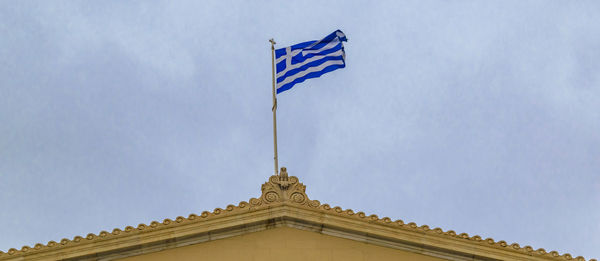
(272,41)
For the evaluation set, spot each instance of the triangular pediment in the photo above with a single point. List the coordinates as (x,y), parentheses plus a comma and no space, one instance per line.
(283,214)
(273,244)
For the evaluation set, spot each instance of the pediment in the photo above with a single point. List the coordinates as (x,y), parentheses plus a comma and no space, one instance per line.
(282,206)
(273,244)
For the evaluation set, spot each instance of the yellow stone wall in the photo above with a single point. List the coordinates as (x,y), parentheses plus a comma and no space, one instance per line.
(282,244)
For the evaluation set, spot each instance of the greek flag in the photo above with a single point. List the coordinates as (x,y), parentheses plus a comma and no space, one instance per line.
(308,60)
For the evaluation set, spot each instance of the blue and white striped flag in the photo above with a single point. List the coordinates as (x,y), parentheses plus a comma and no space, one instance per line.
(310,59)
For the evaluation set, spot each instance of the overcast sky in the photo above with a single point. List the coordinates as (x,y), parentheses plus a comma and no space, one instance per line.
(477,116)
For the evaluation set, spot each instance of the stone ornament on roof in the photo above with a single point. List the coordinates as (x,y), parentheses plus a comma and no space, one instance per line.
(283,188)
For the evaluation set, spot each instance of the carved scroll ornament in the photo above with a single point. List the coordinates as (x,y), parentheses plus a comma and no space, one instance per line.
(284,188)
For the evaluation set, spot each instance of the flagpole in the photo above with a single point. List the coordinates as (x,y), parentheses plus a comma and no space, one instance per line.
(274,108)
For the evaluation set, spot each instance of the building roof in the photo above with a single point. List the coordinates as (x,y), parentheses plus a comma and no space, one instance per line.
(283,203)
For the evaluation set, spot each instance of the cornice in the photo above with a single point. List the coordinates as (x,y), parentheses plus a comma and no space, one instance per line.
(284,196)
